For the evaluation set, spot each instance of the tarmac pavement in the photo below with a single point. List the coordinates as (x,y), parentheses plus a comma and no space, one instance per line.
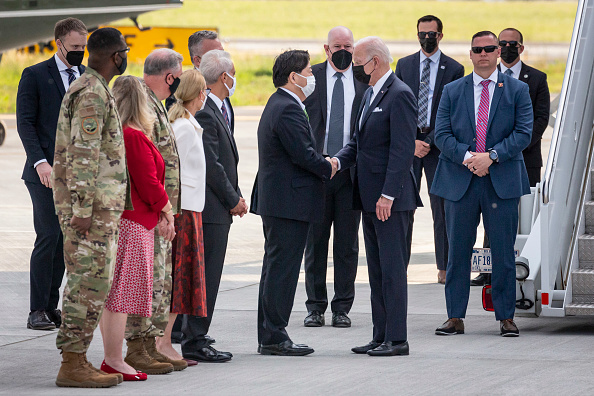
(552,356)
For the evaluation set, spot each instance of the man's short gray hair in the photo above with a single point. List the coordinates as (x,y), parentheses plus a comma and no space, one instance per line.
(162,60)
(196,39)
(213,64)
(375,46)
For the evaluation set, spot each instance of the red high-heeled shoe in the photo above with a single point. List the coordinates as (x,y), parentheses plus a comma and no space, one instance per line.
(139,376)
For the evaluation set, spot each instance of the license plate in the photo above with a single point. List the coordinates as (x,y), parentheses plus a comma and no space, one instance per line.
(481,260)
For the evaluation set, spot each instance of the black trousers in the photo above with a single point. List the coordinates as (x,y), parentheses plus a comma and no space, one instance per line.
(47,259)
(386,249)
(440,237)
(338,210)
(215,248)
(283,246)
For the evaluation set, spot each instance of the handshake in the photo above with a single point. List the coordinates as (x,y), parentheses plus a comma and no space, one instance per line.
(334,162)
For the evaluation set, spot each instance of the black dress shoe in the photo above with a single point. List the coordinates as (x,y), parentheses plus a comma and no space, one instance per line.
(363,349)
(481,280)
(210,340)
(208,354)
(450,327)
(340,319)
(314,319)
(390,348)
(177,337)
(509,329)
(55,316)
(38,320)
(285,348)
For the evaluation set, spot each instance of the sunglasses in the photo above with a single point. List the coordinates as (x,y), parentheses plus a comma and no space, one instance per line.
(126,50)
(512,43)
(422,35)
(488,49)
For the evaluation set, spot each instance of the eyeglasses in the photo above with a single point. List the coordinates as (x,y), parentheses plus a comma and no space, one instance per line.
(512,43)
(422,35)
(126,50)
(488,49)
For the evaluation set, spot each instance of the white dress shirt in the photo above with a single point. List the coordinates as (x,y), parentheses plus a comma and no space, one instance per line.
(188,136)
(433,68)
(220,105)
(478,89)
(516,69)
(295,96)
(375,90)
(348,83)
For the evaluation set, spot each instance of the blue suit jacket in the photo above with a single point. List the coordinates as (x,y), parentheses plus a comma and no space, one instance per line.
(383,149)
(39,98)
(508,132)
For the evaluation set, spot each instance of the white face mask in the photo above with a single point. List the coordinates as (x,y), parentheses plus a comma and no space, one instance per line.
(203,103)
(310,87)
(232,89)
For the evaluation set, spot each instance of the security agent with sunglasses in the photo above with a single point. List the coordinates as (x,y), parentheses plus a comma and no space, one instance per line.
(332,110)
(162,69)
(90,193)
(41,89)
(426,73)
(483,123)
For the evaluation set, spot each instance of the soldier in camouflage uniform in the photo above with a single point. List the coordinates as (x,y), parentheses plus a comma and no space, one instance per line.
(90,193)
(162,69)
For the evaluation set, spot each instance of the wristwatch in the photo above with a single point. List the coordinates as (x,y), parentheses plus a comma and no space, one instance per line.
(493,155)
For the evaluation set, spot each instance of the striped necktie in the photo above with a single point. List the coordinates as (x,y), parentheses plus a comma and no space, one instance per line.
(423,102)
(226,116)
(482,118)
(71,76)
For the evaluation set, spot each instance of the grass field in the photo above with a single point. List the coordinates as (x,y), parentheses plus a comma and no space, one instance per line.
(391,20)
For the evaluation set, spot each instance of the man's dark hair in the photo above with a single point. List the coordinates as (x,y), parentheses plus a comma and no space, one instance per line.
(517,31)
(484,33)
(431,18)
(65,26)
(196,39)
(286,63)
(105,41)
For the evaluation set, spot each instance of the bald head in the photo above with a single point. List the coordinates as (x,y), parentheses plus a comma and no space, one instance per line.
(339,38)
(340,33)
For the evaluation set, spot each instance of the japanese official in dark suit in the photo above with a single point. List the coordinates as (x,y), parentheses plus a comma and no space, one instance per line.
(288,194)
(332,110)
(383,150)
(39,98)
(512,47)
(426,73)
(223,197)
(484,121)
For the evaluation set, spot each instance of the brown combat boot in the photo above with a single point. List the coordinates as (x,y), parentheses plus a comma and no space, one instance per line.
(77,372)
(151,347)
(138,357)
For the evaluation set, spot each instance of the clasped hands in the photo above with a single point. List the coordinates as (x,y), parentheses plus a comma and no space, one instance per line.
(478,164)
(167,223)
(240,209)
(334,162)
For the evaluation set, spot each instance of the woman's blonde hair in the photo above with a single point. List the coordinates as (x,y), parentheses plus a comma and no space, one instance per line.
(132,102)
(190,85)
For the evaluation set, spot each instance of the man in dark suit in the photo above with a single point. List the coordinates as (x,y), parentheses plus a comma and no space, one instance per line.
(384,188)
(511,43)
(332,110)
(484,121)
(288,194)
(426,73)
(39,98)
(223,197)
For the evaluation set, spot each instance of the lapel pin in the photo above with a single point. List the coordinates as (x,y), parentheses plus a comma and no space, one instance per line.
(500,85)
(525,75)
(442,66)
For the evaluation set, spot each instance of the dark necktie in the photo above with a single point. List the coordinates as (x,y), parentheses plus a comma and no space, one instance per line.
(336,124)
(509,72)
(423,102)
(71,76)
(366,103)
(226,116)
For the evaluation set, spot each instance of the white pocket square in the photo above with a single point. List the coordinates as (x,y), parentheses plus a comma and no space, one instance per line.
(376,110)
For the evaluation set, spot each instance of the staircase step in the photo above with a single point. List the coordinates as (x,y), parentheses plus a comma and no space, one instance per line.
(589,214)
(583,298)
(586,249)
(579,309)
(582,281)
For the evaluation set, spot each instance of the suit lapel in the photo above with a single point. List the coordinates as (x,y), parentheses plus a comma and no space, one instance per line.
(223,123)
(360,89)
(55,73)
(416,74)
(469,95)
(499,87)
(231,114)
(321,81)
(441,70)
(378,98)
(524,74)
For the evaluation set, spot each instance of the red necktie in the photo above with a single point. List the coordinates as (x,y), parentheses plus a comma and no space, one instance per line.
(482,118)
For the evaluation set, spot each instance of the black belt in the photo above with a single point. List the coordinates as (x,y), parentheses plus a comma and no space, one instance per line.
(426,130)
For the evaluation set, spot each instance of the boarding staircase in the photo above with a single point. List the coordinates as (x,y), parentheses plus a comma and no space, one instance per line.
(582,277)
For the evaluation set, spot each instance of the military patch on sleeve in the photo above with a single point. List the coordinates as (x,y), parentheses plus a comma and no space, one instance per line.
(89,125)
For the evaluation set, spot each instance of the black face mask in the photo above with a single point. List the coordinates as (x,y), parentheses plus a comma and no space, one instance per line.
(74,58)
(360,75)
(122,67)
(428,44)
(509,54)
(174,85)
(342,59)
